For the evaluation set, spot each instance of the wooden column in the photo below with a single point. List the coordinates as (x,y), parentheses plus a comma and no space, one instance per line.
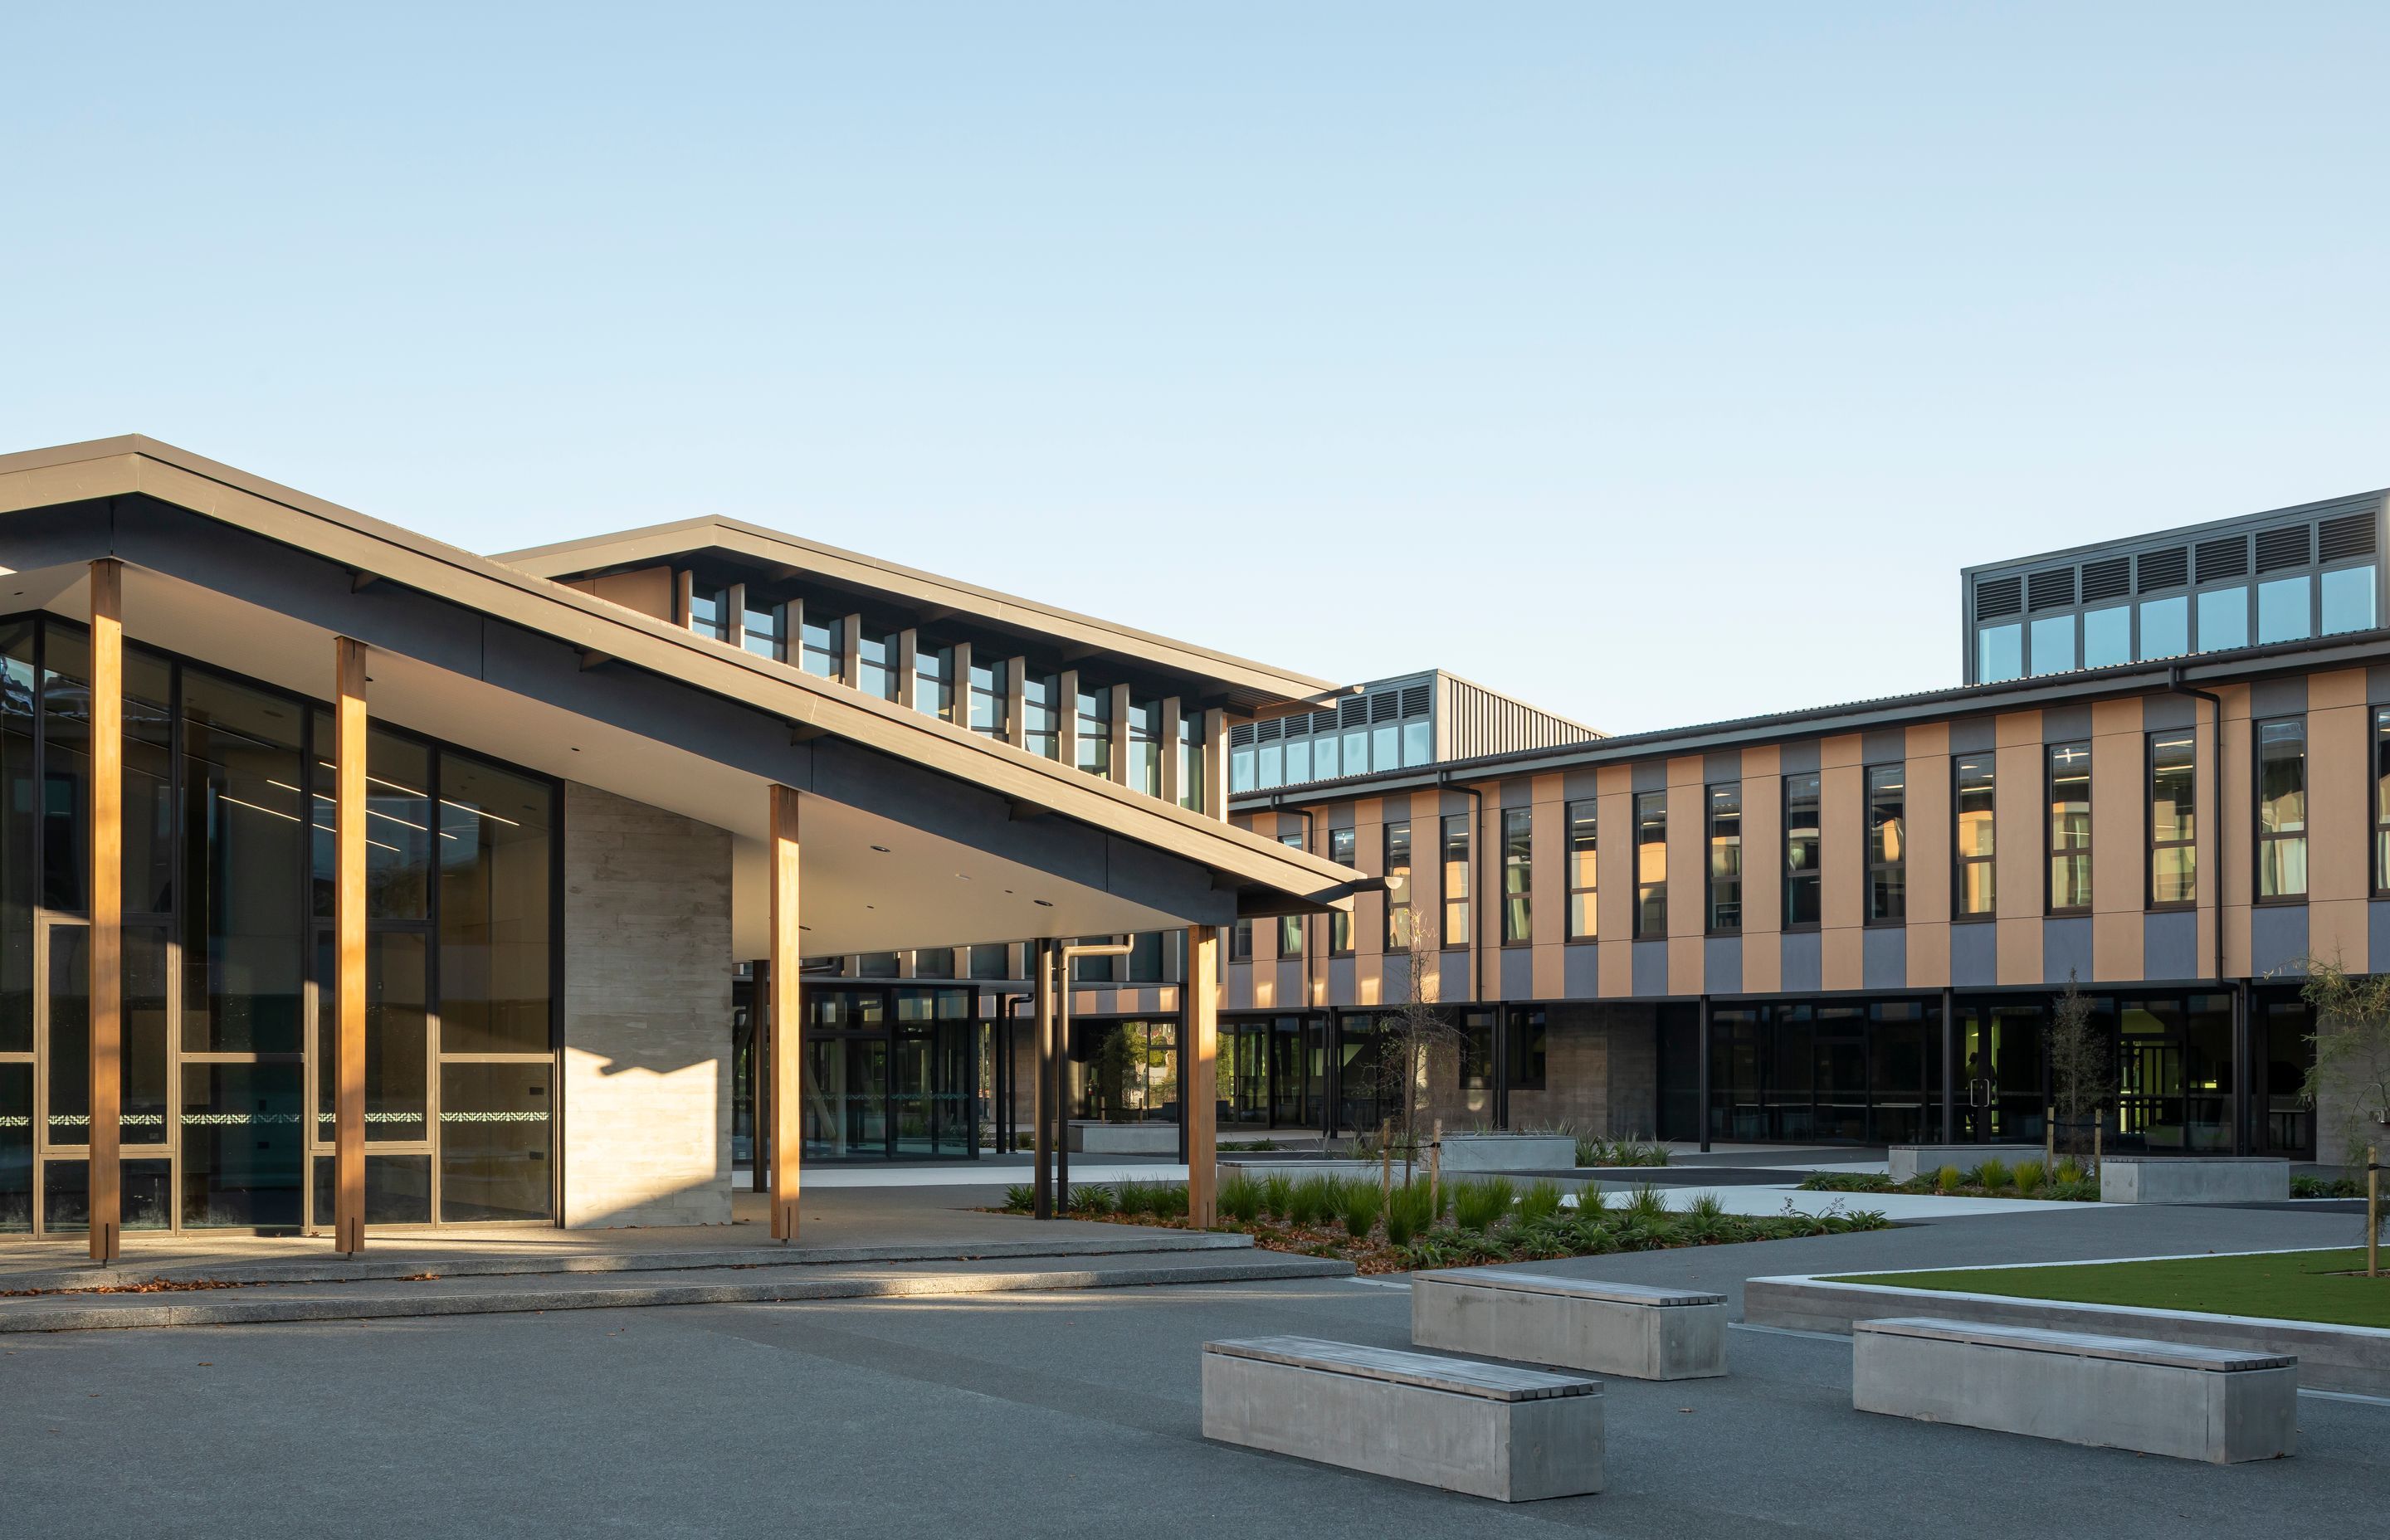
(1172,793)
(1016,701)
(1215,764)
(107,982)
(1199,1089)
(785,1018)
(349,946)
(958,685)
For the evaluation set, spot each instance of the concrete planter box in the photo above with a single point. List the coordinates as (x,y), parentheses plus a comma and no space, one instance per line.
(2117,1393)
(1911,1161)
(1466,1152)
(2194,1179)
(1124,1139)
(1625,1328)
(1488,1429)
(2351,1358)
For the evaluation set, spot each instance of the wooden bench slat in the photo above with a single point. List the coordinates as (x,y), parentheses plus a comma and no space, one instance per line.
(1427,1371)
(2079,1344)
(1554,1283)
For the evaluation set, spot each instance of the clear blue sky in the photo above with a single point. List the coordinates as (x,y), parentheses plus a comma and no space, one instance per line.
(1655,364)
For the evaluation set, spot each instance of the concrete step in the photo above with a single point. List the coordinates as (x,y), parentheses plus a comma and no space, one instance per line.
(501,1293)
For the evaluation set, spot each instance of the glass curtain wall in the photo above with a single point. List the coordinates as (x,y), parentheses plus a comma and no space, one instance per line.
(1803,1070)
(891,1072)
(227,1117)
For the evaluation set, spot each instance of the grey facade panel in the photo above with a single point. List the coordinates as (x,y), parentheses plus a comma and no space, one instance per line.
(1799,758)
(2377,685)
(1975,956)
(2278,697)
(2061,723)
(1577,785)
(1342,988)
(1973,735)
(1581,972)
(1287,987)
(1651,775)
(1340,815)
(1650,967)
(2277,937)
(1518,974)
(2170,945)
(1721,964)
(2377,933)
(2160,712)
(1803,962)
(1518,792)
(1454,973)
(2065,948)
(1884,962)
(1884,746)
(1720,768)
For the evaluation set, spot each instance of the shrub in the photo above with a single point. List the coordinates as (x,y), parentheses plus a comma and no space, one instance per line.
(1630,1150)
(1278,1195)
(2323,1186)
(1240,1199)
(1707,1206)
(1947,1179)
(2076,1192)
(1847,1181)
(1312,1201)
(1648,1203)
(1133,1197)
(1409,1210)
(1991,1173)
(1170,1202)
(1358,1208)
(1094,1198)
(1540,1201)
(1020,1198)
(2068,1168)
(2029,1177)
(1481,1203)
(1592,1199)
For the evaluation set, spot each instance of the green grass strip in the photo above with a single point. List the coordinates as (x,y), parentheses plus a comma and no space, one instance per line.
(2294,1286)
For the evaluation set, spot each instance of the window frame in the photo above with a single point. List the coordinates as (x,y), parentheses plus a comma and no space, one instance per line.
(1292,941)
(2258,838)
(1340,921)
(2381,798)
(1591,892)
(1656,929)
(1396,937)
(2051,853)
(1959,859)
(1710,847)
(1869,863)
(1519,857)
(1815,871)
(2151,843)
(1449,827)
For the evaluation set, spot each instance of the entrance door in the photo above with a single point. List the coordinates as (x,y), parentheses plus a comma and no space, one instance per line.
(1290,1082)
(2000,1094)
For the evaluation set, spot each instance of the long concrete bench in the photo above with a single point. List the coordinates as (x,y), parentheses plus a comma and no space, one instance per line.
(1620,1328)
(2117,1393)
(1488,1429)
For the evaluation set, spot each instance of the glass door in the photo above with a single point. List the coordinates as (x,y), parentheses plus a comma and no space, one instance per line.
(2002,1098)
(1291,1093)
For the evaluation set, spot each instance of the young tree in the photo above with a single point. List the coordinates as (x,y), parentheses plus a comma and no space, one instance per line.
(1413,1041)
(2348,1085)
(2082,1074)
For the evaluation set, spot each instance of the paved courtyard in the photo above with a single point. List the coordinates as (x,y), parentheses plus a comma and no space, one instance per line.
(1064,1414)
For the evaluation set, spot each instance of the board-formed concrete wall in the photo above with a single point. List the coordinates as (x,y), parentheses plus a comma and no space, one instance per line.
(647,1015)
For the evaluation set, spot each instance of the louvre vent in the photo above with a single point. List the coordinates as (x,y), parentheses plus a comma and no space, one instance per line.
(2051,590)
(2226,558)
(2164,569)
(1240,734)
(2107,580)
(1267,732)
(1323,722)
(1385,706)
(2280,548)
(1997,596)
(1415,701)
(2351,535)
(1352,711)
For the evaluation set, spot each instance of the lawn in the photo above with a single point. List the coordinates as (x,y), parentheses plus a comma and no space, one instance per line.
(2297,1286)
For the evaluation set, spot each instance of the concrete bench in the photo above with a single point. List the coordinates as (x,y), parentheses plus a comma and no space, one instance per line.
(1620,1329)
(2116,1392)
(2194,1179)
(1488,1429)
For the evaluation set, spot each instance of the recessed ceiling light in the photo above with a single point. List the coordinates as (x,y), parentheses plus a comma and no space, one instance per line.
(1041,902)
(963,875)
(881,849)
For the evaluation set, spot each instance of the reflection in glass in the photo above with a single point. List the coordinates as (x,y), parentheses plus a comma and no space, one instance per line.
(242,958)
(2165,627)
(2108,636)
(1582,861)
(16,828)
(2283,808)
(1999,653)
(1650,864)
(16,1147)
(66,772)
(2070,827)
(2223,619)
(70,1038)
(2053,644)
(242,1144)
(1976,828)
(1801,849)
(2348,599)
(148,784)
(1725,859)
(398,1189)
(147,1089)
(494,1142)
(494,909)
(2283,609)
(1888,844)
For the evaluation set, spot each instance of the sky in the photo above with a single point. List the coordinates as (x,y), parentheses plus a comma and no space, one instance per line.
(1654,365)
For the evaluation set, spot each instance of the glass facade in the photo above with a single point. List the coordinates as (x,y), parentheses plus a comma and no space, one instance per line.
(2283,809)
(1724,916)
(1518,875)
(2070,828)
(2173,820)
(1583,867)
(1888,844)
(1971,800)
(227,1117)
(1803,898)
(1457,868)
(1650,864)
